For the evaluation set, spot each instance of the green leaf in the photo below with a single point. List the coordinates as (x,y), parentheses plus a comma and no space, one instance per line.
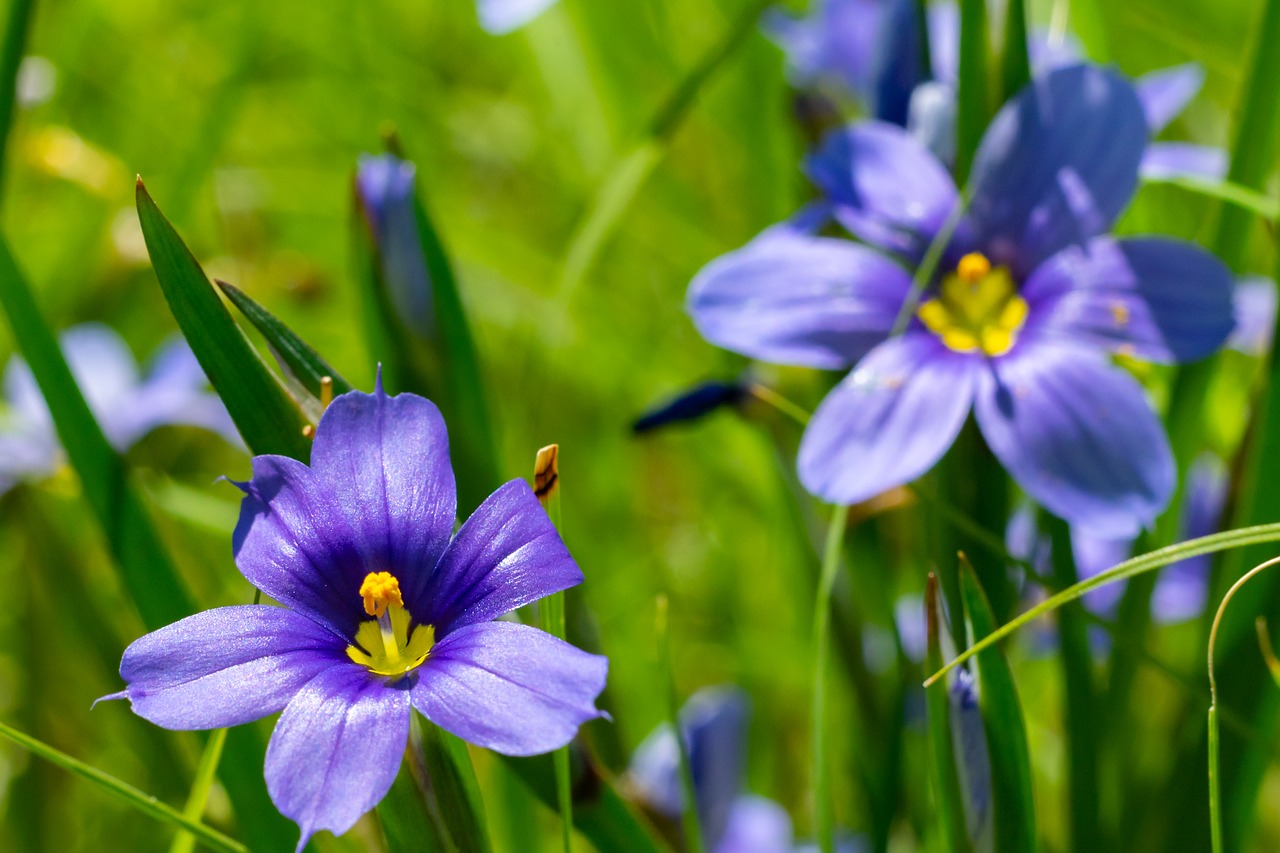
(15,40)
(948,795)
(1015,67)
(689,819)
(406,818)
(1013,800)
(184,842)
(1250,201)
(973,99)
(145,803)
(296,354)
(266,416)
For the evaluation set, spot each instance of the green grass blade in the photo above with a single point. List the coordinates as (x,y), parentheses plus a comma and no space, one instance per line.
(1248,200)
(1240,538)
(690,820)
(11,50)
(453,784)
(1215,785)
(948,795)
(264,413)
(973,100)
(1015,65)
(1079,696)
(298,356)
(824,818)
(185,842)
(407,823)
(145,803)
(1013,800)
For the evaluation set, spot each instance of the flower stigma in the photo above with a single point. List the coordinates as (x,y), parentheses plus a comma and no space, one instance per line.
(977,308)
(388,644)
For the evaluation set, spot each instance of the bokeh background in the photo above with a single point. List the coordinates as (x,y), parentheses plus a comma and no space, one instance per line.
(246,121)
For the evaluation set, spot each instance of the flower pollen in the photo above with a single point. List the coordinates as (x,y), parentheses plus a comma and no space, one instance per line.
(379,590)
(977,308)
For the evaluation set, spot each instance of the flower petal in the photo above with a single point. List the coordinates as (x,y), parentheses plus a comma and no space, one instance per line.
(509,687)
(889,421)
(793,299)
(1078,436)
(1159,299)
(385,185)
(337,748)
(756,825)
(385,462)
(1166,160)
(885,186)
(899,69)
(836,42)
(293,542)
(1057,165)
(499,17)
(1166,93)
(506,555)
(1255,312)
(226,666)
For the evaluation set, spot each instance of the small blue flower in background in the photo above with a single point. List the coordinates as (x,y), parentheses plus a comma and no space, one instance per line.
(126,405)
(386,610)
(871,49)
(499,17)
(970,742)
(1255,316)
(385,189)
(713,723)
(1031,299)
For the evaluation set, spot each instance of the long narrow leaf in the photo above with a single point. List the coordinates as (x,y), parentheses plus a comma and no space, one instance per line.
(973,97)
(266,416)
(11,49)
(1015,69)
(948,796)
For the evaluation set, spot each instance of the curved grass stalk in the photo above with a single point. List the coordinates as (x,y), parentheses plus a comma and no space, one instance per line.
(824,819)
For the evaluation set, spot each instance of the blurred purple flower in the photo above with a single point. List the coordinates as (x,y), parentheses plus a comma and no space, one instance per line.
(871,48)
(713,723)
(385,189)
(385,611)
(499,17)
(126,405)
(1255,312)
(1032,299)
(969,739)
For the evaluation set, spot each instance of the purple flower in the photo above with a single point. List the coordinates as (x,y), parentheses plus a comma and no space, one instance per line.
(969,739)
(1255,316)
(126,405)
(385,611)
(694,404)
(385,189)
(1031,299)
(713,723)
(500,17)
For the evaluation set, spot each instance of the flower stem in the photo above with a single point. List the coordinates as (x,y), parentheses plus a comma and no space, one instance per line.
(691,820)
(185,842)
(15,39)
(824,819)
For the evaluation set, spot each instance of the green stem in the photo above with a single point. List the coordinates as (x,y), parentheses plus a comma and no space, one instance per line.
(185,842)
(972,101)
(824,819)
(15,40)
(691,821)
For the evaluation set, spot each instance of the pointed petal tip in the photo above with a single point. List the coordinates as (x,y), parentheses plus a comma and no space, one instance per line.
(123,694)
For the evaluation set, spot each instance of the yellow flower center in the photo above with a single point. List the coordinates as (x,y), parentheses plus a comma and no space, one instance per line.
(389,644)
(977,308)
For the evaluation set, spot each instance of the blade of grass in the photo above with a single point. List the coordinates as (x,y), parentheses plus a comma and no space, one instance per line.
(1013,800)
(948,796)
(410,812)
(690,821)
(185,842)
(304,362)
(973,100)
(1248,200)
(824,818)
(122,790)
(16,28)
(1015,65)
(454,787)
(266,416)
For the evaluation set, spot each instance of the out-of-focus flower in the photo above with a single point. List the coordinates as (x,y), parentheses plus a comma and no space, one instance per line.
(499,17)
(872,49)
(713,723)
(126,405)
(385,189)
(385,611)
(1030,300)
(970,743)
(698,402)
(1255,316)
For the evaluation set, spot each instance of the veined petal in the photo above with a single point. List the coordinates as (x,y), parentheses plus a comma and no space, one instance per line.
(509,687)
(225,666)
(1159,299)
(1078,436)
(794,299)
(884,186)
(499,17)
(889,421)
(756,825)
(1183,160)
(1166,93)
(294,543)
(337,748)
(385,463)
(1057,165)
(506,555)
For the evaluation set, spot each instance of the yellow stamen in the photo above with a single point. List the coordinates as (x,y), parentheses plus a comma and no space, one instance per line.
(977,308)
(379,590)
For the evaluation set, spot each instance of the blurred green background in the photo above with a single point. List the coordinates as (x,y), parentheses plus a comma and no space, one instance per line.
(245,120)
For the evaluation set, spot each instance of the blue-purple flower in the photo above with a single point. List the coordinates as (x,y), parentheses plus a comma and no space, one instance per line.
(499,17)
(385,191)
(1030,299)
(713,723)
(386,610)
(126,405)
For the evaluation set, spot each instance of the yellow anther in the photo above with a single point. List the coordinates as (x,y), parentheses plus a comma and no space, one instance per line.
(973,267)
(1120,313)
(380,590)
